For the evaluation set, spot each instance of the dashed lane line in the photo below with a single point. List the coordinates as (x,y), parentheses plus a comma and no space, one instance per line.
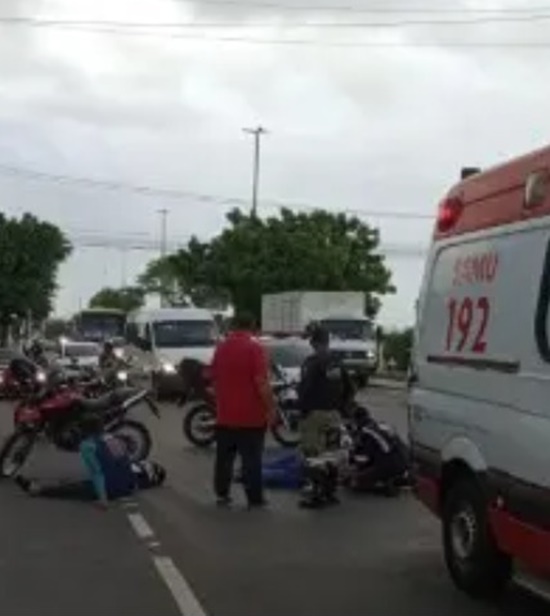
(179,588)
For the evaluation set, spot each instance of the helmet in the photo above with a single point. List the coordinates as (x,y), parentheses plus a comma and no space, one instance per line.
(36,347)
(108,346)
(318,335)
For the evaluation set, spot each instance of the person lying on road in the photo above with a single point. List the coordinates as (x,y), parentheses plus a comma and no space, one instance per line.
(111,473)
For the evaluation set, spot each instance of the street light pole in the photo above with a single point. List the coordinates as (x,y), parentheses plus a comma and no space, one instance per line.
(163,247)
(257,133)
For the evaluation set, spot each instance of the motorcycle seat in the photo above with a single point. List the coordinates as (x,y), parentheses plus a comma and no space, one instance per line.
(94,405)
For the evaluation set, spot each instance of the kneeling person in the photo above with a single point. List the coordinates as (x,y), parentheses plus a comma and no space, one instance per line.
(111,474)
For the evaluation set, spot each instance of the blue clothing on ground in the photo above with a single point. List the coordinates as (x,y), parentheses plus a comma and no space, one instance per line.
(284,471)
(108,466)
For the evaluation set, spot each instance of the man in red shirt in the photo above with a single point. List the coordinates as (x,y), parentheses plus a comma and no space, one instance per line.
(245,406)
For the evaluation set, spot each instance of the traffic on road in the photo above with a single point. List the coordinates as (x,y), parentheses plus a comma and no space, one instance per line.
(171,551)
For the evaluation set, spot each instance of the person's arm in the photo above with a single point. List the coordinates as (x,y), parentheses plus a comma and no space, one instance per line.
(88,453)
(260,366)
(308,381)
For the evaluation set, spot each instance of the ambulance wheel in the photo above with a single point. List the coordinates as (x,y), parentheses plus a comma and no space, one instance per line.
(473,560)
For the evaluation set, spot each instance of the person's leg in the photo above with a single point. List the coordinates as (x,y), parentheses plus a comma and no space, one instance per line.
(226,450)
(77,490)
(251,446)
(309,434)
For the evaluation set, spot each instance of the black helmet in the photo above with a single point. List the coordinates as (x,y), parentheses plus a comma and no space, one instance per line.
(361,415)
(108,346)
(318,335)
(36,346)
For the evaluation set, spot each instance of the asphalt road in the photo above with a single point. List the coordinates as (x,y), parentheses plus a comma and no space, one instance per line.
(179,554)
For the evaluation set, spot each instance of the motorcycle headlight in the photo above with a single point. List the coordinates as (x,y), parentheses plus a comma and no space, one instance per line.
(119,353)
(40,377)
(168,368)
(122,376)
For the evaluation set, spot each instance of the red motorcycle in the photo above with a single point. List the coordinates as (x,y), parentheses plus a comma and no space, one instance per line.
(55,416)
(21,378)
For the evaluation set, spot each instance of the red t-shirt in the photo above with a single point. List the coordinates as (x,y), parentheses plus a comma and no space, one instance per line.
(239,361)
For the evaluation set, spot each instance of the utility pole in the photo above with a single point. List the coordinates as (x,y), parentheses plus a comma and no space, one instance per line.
(163,248)
(257,133)
(163,231)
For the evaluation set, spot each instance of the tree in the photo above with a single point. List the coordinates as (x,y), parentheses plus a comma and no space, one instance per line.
(398,346)
(125,298)
(56,327)
(319,251)
(30,254)
(185,278)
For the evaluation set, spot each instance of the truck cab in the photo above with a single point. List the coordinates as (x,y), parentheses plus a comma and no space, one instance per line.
(353,342)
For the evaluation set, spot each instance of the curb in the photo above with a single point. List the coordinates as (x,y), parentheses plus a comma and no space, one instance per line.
(388,384)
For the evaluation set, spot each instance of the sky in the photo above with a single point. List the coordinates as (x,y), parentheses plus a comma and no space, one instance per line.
(361,117)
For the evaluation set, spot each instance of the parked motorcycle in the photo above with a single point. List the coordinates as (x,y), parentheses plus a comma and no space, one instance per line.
(21,378)
(55,415)
(200,417)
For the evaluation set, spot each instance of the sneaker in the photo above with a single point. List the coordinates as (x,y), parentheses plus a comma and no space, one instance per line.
(258,505)
(24,483)
(224,501)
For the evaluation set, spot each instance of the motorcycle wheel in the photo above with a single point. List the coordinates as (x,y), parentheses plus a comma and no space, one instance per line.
(198,426)
(14,453)
(286,437)
(136,437)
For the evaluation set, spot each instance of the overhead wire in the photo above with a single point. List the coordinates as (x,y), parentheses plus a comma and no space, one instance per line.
(373,10)
(176,193)
(160,30)
(134,25)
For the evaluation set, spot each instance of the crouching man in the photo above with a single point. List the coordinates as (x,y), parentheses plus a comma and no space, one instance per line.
(324,393)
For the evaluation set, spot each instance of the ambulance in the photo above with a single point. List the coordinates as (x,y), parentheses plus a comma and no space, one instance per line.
(479,406)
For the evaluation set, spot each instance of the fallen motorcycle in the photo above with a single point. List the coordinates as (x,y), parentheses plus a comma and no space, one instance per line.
(55,415)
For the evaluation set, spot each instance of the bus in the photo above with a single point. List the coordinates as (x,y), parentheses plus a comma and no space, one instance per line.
(99,324)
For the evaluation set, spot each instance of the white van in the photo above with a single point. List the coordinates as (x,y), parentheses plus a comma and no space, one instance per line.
(480,379)
(159,339)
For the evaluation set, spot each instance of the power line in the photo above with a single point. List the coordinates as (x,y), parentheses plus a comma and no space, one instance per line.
(90,24)
(175,193)
(152,245)
(373,10)
(323,43)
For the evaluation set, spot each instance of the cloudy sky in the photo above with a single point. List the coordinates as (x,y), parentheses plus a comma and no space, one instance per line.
(361,117)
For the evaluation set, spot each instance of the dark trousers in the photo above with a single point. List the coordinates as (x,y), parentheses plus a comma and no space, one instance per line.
(248,443)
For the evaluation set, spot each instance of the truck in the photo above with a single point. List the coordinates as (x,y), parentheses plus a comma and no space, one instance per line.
(341,313)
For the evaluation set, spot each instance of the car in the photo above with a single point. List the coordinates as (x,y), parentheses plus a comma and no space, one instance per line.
(479,382)
(74,357)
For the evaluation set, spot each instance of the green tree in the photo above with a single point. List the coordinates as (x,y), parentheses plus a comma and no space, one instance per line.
(319,251)
(125,298)
(30,254)
(54,328)
(398,346)
(185,278)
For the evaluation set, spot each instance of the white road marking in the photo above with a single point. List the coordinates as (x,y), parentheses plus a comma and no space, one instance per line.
(141,526)
(181,591)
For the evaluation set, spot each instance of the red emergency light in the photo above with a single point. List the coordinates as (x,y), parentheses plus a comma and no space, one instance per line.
(449,212)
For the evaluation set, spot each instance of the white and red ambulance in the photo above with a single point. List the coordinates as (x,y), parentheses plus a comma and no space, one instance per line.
(480,379)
